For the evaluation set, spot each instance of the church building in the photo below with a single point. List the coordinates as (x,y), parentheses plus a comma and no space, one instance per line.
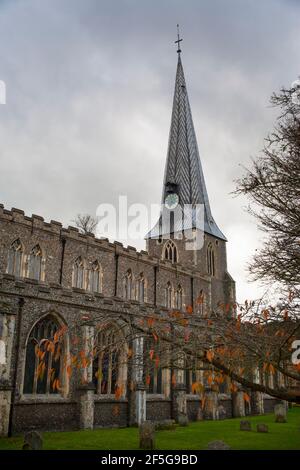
(56,279)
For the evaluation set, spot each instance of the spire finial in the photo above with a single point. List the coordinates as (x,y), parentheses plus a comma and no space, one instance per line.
(178,40)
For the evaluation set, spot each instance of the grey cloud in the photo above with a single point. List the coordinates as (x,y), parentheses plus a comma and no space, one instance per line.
(89,96)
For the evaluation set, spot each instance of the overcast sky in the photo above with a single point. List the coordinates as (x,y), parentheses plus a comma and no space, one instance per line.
(89,94)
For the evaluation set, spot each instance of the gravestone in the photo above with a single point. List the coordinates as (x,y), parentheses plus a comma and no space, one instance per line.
(182,420)
(280,413)
(32,441)
(245,425)
(165,425)
(221,412)
(200,414)
(262,428)
(218,445)
(147,435)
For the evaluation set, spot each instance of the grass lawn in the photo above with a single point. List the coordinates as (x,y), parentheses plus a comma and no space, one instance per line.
(195,436)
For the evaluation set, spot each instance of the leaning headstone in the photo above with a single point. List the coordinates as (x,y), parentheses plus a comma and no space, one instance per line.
(32,441)
(182,420)
(262,428)
(245,425)
(147,435)
(199,414)
(280,413)
(221,412)
(218,445)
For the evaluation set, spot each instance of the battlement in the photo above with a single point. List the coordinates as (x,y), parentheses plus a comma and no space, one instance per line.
(37,222)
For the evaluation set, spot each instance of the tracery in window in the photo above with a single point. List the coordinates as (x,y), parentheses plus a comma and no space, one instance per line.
(170,251)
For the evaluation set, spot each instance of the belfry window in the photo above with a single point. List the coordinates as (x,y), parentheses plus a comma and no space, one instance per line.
(170,251)
(35,263)
(15,259)
(210,259)
(78,273)
(94,278)
(43,362)
(107,362)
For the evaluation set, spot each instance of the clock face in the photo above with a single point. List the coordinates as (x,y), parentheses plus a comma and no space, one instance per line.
(171,201)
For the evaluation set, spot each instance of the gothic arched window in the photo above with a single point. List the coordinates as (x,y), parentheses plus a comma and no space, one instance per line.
(43,372)
(210,259)
(170,251)
(128,285)
(15,259)
(94,278)
(109,357)
(178,298)
(169,295)
(141,289)
(35,263)
(78,273)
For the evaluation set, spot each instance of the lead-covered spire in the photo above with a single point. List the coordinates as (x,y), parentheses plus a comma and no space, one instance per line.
(183,169)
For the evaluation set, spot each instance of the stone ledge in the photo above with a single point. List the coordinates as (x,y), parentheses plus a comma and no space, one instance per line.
(44,289)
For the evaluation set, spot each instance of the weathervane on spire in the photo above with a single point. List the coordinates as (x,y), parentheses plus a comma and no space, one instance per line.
(178,40)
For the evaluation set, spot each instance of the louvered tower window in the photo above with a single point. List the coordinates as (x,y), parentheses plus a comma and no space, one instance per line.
(170,251)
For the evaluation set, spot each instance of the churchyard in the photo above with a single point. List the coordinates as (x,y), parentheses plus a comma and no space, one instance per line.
(195,436)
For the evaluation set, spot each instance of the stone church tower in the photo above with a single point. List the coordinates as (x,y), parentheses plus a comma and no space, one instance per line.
(186,214)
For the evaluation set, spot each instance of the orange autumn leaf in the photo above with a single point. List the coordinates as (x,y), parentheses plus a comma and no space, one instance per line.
(150,322)
(151,353)
(69,370)
(50,347)
(209,379)
(148,380)
(156,362)
(129,353)
(155,337)
(210,355)
(271,369)
(118,392)
(266,314)
(173,380)
(189,309)
(246,397)
(84,362)
(227,308)
(197,387)
(56,384)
